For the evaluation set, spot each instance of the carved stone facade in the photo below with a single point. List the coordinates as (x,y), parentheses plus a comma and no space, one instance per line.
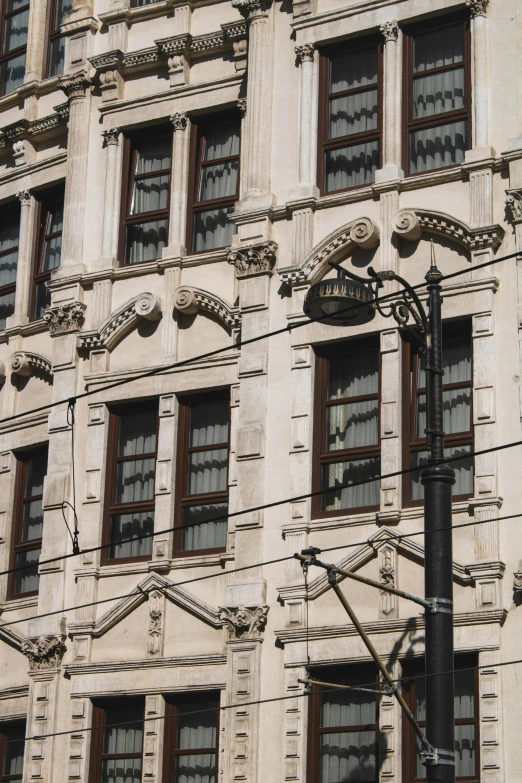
(45,652)
(62,319)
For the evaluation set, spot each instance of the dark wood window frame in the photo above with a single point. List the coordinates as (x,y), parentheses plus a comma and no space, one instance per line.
(97,756)
(46,201)
(130,149)
(18,546)
(183,499)
(10,55)
(368,677)
(412,669)
(197,139)
(9,212)
(320,455)
(171,751)
(409,123)
(324,142)
(411,443)
(8,733)
(110,507)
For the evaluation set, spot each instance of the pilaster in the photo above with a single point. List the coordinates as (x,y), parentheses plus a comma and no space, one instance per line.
(391,169)
(154,732)
(490,716)
(391,374)
(481,88)
(178,192)
(80,740)
(484,414)
(165,470)
(25,257)
(307,120)
(35,61)
(109,247)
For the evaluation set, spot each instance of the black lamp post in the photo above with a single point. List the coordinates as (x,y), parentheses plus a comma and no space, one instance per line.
(352,300)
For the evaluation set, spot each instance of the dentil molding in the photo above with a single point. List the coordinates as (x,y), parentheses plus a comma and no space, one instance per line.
(45,652)
(244,622)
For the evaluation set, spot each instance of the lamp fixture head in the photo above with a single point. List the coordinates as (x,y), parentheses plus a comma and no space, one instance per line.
(340,302)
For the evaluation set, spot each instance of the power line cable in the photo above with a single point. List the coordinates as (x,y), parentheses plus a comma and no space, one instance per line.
(396,537)
(270,700)
(288,328)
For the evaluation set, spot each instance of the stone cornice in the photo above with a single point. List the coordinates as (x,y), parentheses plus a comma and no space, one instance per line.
(120,322)
(188,300)
(174,662)
(25,129)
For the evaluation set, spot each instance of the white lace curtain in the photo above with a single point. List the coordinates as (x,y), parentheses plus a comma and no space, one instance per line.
(145,241)
(124,526)
(348,755)
(196,731)
(353,69)
(124,741)
(9,238)
(434,148)
(351,166)
(212,229)
(202,530)
(353,114)
(348,472)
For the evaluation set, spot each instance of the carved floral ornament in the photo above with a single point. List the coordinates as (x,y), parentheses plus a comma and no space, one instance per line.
(65,318)
(304,53)
(390,31)
(253,260)
(111,136)
(24,197)
(179,121)
(75,85)
(514,204)
(477,7)
(45,652)
(244,622)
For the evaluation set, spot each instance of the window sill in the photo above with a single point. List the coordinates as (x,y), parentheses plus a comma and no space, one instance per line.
(13,604)
(164,565)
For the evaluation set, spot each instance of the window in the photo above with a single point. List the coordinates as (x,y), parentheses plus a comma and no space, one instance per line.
(438,96)
(139,3)
(28,522)
(342,740)
(9,240)
(56,52)
(350,116)
(191,739)
(215,182)
(14,24)
(130,492)
(12,745)
(457,412)
(117,750)
(48,251)
(347,428)
(202,484)
(145,227)
(466,721)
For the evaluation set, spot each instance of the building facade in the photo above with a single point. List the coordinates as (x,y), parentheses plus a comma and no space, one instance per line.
(174,175)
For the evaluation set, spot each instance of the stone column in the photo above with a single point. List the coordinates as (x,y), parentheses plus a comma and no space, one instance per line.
(256,173)
(480,96)
(76,87)
(111,138)
(178,185)
(392,105)
(25,257)
(34,63)
(307,116)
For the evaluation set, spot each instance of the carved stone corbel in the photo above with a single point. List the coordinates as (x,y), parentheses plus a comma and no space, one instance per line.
(514,204)
(253,260)
(45,652)
(65,318)
(176,50)
(244,622)
(108,68)
(26,363)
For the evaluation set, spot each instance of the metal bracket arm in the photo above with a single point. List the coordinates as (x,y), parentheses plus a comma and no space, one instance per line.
(436,756)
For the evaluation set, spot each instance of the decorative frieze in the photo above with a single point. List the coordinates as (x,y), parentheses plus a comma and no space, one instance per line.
(45,652)
(514,204)
(390,31)
(244,622)
(189,300)
(256,259)
(65,318)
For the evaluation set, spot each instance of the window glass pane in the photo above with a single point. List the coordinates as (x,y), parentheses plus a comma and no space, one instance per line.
(349,167)
(153,155)
(353,114)
(196,768)
(26,580)
(36,468)
(150,194)
(197,731)
(137,433)
(32,520)
(218,180)
(348,708)
(57,56)
(463,471)
(12,73)
(209,423)
(15,31)
(353,375)
(121,771)
(353,69)
(434,148)
(438,93)
(212,229)
(465,751)
(8,266)
(145,241)
(9,234)
(221,142)
(125,526)
(201,531)
(455,410)
(135,480)
(207,471)
(464,694)
(350,426)
(348,755)
(125,739)
(14,5)
(14,751)
(62,7)
(456,362)
(7,302)
(438,47)
(351,471)
(42,300)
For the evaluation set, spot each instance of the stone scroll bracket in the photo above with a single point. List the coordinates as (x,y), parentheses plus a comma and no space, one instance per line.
(26,363)
(190,300)
(411,224)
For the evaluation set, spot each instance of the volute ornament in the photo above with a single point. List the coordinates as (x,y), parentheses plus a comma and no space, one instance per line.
(244,622)
(45,652)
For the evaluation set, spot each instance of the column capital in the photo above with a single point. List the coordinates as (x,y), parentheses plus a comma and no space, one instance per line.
(45,652)
(390,31)
(24,196)
(304,53)
(252,9)
(75,85)
(111,136)
(244,622)
(66,318)
(253,260)
(514,204)
(242,106)
(179,121)
(477,7)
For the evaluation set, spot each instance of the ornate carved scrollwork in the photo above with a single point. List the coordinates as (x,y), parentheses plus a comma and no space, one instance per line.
(24,196)
(121,321)
(477,7)
(304,53)
(514,204)
(155,622)
(189,300)
(65,318)
(365,234)
(244,622)
(179,120)
(45,652)
(111,136)
(254,259)
(390,31)
(75,85)
(252,8)
(407,225)
(25,363)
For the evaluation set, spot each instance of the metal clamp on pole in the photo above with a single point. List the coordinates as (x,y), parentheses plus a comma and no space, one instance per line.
(439,606)
(436,756)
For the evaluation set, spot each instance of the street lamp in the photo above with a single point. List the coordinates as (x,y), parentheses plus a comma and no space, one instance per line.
(355,301)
